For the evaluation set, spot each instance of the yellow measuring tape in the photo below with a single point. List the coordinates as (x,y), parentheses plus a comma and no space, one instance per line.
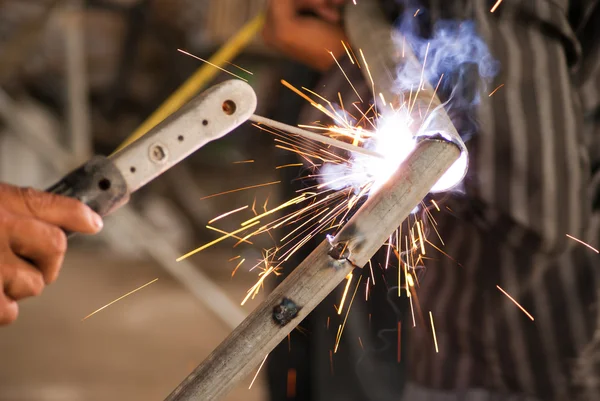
(199,79)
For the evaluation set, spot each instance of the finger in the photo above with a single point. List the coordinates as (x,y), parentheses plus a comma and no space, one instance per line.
(22,280)
(329,13)
(68,213)
(41,243)
(9,309)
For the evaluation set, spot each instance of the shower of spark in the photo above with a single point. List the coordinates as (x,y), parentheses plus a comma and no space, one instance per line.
(341,180)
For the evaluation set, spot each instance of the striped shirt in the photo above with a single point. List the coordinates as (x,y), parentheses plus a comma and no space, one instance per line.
(534,177)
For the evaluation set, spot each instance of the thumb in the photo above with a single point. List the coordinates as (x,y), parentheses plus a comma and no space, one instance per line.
(67,213)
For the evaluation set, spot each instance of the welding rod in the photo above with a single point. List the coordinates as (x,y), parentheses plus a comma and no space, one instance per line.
(314,136)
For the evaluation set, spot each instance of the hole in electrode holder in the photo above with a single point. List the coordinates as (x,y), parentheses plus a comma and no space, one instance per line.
(132,169)
(158,153)
(205,122)
(229,107)
(180,138)
(104,184)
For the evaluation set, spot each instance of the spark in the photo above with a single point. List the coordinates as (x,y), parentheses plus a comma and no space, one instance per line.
(367,289)
(227,214)
(382,98)
(371,268)
(583,243)
(234,258)
(337,343)
(209,63)
(361,343)
(331,362)
(515,302)
(412,311)
(367,66)
(252,292)
(421,237)
(291,383)
(433,331)
(387,257)
(241,68)
(348,52)
(436,205)
(417,12)
(118,299)
(291,202)
(349,278)
(434,93)
(407,277)
(241,189)
(244,162)
(237,267)
(259,368)
(289,165)
(496,6)
(225,232)
(195,251)
(494,91)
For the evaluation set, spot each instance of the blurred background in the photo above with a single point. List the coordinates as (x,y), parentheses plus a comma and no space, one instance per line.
(76,78)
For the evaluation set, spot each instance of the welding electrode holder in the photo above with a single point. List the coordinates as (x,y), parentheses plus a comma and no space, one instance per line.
(98,183)
(106,183)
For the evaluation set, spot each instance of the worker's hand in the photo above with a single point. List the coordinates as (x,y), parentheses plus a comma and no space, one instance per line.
(32,242)
(305,38)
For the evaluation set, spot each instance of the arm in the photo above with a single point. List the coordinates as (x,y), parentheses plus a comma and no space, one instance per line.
(33,243)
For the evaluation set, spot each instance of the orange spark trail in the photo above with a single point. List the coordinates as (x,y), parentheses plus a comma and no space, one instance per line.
(259,368)
(244,162)
(291,382)
(583,243)
(347,79)
(515,302)
(118,299)
(433,330)
(331,362)
(289,165)
(195,251)
(349,278)
(337,343)
(433,96)
(227,214)
(237,267)
(225,232)
(241,68)
(214,65)
(399,339)
(240,189)
(494,91)
(348,52)
(496,6)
